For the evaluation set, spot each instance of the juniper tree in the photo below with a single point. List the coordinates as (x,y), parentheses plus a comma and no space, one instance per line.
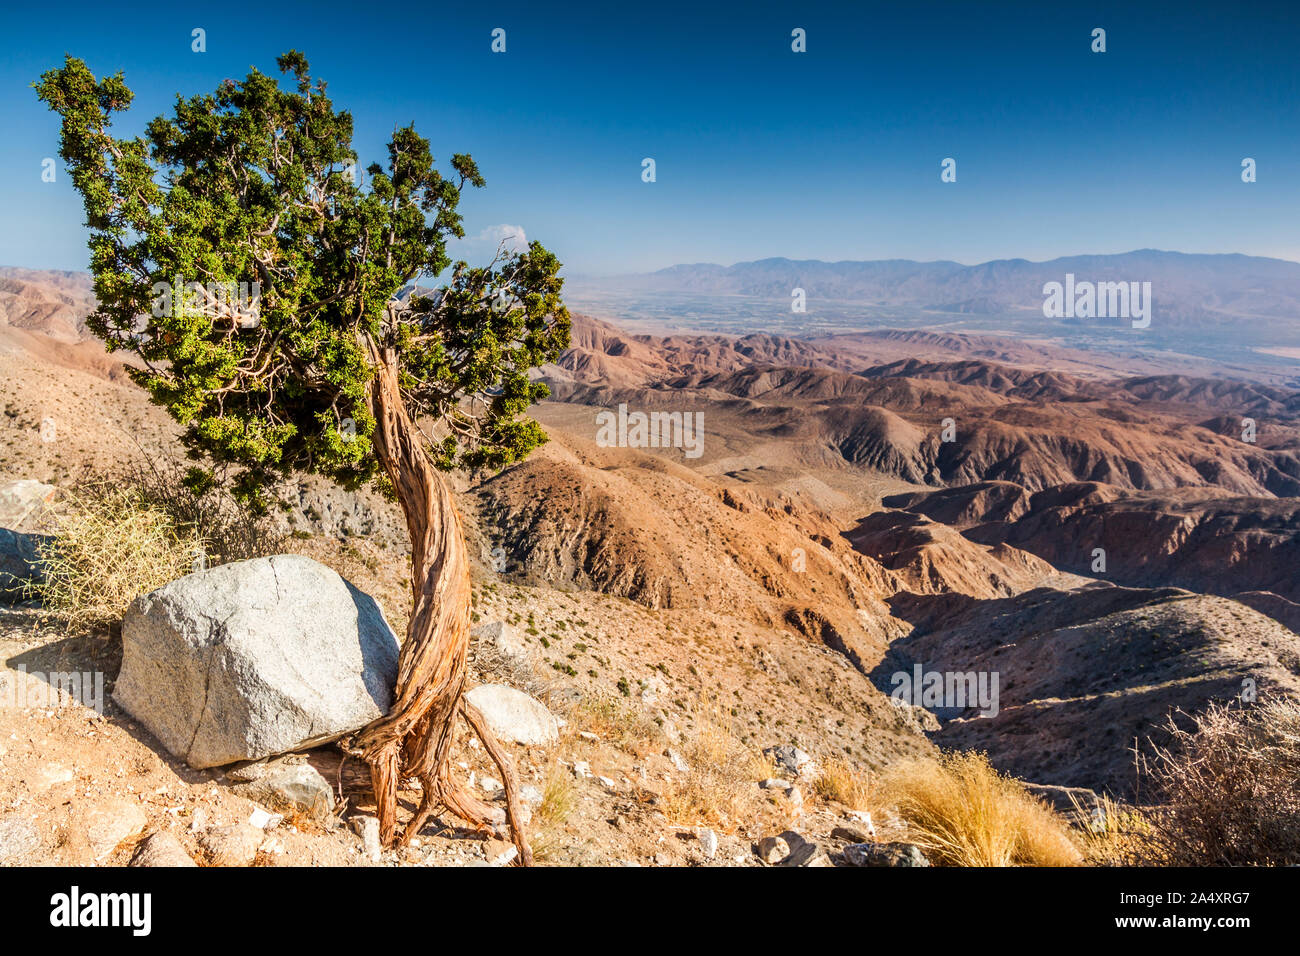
(335,366)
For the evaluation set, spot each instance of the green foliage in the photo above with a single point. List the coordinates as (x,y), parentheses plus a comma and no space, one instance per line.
(251,185)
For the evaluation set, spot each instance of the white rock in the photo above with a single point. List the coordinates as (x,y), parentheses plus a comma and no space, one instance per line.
(708,842)
(863,817)
(109,824)
(48,776)
(19,839)
(368,829)
(257,658)
(792,760)
(264,819)
(514,716)
(506,639)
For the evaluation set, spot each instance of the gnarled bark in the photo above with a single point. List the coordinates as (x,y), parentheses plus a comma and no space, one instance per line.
(414,739)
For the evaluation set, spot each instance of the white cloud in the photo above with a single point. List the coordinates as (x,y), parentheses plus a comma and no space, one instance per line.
(505,236)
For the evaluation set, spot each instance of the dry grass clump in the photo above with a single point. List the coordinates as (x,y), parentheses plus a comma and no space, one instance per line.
(962,812)
(1229,788)
(111,546)
(626,727)
(1111,834)
(842,782)
(559,799)
(718,788)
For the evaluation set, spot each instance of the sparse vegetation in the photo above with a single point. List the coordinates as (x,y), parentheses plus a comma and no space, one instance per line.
(617,723)
(719,783)
(1229,788)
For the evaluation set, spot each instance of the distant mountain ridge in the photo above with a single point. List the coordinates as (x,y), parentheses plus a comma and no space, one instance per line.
(1186,286)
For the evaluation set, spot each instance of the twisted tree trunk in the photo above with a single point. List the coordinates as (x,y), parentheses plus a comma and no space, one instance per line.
(414,739)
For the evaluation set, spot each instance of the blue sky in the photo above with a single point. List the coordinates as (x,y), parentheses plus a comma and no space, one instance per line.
(831,154)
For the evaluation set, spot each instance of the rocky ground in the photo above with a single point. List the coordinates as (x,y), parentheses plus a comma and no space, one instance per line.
(625,782)
(673,621)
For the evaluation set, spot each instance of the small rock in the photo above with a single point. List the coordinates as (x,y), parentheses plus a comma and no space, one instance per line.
(489,784)
(773,849)
(368,829)
(513,715)
(708,842)
(803,852)
(775,783)
(791,759)
(494,850)
(506,639)
(853,834)
(264,819)
(607,783)
(581,768)
(588,735)
(18,839)
(530,794)
(681,765)
(233,845)
(48,776)
(884,854)
(161,849)
(109,824)
(22,502)
(286,786)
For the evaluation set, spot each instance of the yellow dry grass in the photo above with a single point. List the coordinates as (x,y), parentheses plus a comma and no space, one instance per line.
(842,782)
(962,812)
(718,788)
(111,547)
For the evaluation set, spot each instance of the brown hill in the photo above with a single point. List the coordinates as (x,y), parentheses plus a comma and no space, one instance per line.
(1084,674)
(50,302)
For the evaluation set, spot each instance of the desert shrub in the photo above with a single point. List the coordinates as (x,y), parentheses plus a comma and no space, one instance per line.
(842,782)
(111,546)
(1228,787)
(200,503)
(962,812)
